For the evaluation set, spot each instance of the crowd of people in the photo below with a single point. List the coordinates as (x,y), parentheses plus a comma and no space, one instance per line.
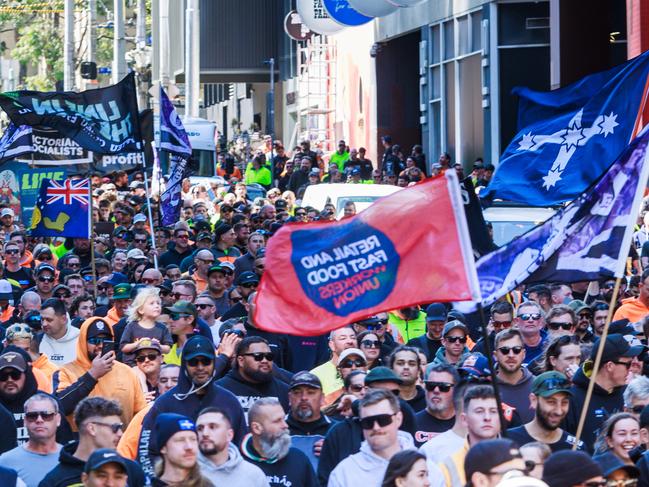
(135,359)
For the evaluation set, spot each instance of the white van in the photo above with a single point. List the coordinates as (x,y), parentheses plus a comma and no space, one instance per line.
(511,221)
(363,195)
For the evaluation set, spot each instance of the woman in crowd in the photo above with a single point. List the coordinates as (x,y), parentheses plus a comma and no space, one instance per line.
(406,469)
(563,355)
(619,435)
(370,344)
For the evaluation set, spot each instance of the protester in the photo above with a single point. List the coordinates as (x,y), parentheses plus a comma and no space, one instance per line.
(536,454)
(563,355)
(100,426)
(431,341)
(406,469)
(105,467)
(454,339)
(59,341)
(439,414)
(405,362)
(339,340)
(619,435)
(570,468)
(488,461)
(530,320)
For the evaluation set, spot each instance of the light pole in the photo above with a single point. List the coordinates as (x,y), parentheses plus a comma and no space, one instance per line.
(270,102)
(68,50)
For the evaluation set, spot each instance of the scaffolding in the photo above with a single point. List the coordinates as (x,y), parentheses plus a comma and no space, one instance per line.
(317,93)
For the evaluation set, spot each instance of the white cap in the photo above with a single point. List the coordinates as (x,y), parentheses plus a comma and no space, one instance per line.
(139,218)
(7,211)
(351,351)
(135,254)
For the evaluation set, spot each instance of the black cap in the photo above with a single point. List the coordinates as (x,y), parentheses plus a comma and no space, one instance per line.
(97,328)
(610,462)
(305,378)
(380,374)
(13,360)
(616,347)
(101,457)
(198,346)
(219,268)
(44,267)
(488,454)
(566,468)
(247,277)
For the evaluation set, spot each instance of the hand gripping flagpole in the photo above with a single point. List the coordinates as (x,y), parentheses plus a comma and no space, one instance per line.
(596,364)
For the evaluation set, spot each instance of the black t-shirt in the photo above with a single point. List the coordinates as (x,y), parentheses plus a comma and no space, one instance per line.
(23,276)
(522,437)
(429,426)
(418,403)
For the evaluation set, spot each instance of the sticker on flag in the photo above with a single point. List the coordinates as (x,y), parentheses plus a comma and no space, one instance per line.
(407,248)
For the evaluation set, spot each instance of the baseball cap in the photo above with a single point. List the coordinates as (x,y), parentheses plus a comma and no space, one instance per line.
(486,455)
(475,365)
(168,424)
(147,344)
(136,254)
(119,229)
(182,307)
(577,305)
(380,374)
(219,268)
(228,265)
(609,463)
(18,330)
(7,212)
(351,351)
(44,267)
(566,468)
(436,312)
(198,346)
(6,292)
(139,218)
(453,325)
(122,291)
(13,360)
(101,457)
(136,185)
(117,278)
(247,277)
(204,236)
(549,383)
(98,328)
(615,347)
(305,378)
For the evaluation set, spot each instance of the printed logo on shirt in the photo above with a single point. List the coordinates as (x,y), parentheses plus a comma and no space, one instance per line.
(424,436)
(277,480)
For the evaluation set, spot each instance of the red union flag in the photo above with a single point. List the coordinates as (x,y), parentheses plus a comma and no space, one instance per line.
(408,248)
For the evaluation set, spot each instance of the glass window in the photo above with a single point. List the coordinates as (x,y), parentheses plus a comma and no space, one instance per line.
(463,35)
(449,79)
(435,83)
(476,31)
(435,45)
(449,40)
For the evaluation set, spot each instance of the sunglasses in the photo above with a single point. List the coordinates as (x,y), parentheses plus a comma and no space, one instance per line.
(585,316)
(177,316)
(96,340)
(357,387)
(184,237)
(505,350)
(622,483)
(259,356)
(148,280)
(555,384)
(140,240)
(300,214)
(62,295)
(249,285)
(455,339)
(140,359)
(382,419)
(114,427)
(87,277)
(502,324)
(370,343)
(204,361)
(204,306)
(637,409)
(34,415)
(442,386)
(530,316)
(555,325)
(74,264)
(346,364)
(46,279)
(236,300)
(12,374)
(12,251)
(45,257)
(626,364)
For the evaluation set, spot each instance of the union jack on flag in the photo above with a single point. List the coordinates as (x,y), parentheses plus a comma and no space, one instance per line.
(68,191)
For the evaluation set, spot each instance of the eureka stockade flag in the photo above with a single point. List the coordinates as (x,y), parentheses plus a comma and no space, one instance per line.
(407,248)
(104,121)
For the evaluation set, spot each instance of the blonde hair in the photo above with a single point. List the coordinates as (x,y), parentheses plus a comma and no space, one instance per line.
(139,301)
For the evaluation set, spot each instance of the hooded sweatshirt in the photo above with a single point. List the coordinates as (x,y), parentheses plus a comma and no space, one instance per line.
(633,309)
(248,393)
(602,405)
(68,471)
(365,468)
(73,382)
(64,349)
(440,357)
(518,395)
(184,399)
(235,472)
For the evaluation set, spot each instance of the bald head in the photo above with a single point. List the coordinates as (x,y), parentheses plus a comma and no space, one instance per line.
(204,254)
(154,275)
(30,301)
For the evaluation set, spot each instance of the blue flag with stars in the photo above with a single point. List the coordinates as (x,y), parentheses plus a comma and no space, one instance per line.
(569,137)
(62,209)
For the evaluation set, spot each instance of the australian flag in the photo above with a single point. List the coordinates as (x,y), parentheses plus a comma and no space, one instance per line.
(584,241)
(16,141)
(174,140)
(569,137)
(62,209)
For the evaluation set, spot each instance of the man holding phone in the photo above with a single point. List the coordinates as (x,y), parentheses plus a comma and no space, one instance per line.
(95,372)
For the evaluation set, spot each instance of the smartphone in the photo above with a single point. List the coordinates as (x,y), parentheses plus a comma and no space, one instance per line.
(107,347)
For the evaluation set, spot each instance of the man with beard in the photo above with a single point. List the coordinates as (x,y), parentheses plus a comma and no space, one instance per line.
(550,398)
(269,447)
(218,457)
(246,262)
(405,362)
(380,418)
(96,372)
(439,414)
(431,341)
(195,391)
(100,426)
(179,450)
(307,425)
(180,250)
(252,375)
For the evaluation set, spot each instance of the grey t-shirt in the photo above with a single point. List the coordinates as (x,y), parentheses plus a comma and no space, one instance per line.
(31,467)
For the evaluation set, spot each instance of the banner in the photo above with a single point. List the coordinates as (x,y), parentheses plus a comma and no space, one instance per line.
(584,241)
(15,142)
(173,137)
(50,148)
(569,137)
(104,120)
(408,248)
(170,201)
(62,209)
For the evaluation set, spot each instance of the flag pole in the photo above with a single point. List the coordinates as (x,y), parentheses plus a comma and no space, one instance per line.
(150,215)
(596,364)
(92,240)
(492,369)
